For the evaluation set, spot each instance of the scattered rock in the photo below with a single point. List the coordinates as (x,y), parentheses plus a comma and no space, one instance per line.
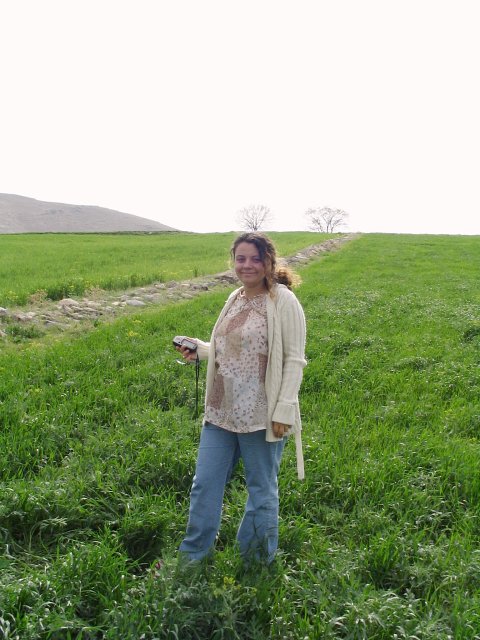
(3,311)
(135,302)
(152,297)
(23,317)
(67,302)
(227,276)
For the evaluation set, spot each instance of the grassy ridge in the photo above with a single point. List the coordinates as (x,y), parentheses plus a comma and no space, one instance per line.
(69,264)
(381,540)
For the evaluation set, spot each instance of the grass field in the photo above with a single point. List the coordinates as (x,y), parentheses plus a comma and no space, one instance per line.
(65,265)
(381,540)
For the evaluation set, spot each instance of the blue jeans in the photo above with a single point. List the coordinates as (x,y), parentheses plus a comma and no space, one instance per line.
(218,452)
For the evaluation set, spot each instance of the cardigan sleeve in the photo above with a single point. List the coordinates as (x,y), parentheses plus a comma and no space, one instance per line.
(292,323)
(203,349)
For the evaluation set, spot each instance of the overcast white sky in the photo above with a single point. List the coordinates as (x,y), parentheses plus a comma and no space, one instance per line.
(184,112)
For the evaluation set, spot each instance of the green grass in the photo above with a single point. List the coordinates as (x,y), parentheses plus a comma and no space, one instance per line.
(381,540)
(63,265)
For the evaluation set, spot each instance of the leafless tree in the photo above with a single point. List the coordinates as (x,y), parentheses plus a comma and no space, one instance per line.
(254,217)
(325,219)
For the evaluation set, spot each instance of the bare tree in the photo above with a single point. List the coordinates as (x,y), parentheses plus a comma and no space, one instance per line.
(325,219)
(254,217)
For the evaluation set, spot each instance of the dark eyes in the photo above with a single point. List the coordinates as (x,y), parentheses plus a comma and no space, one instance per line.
(242,259)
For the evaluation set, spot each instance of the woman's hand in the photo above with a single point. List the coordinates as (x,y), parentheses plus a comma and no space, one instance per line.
(279,429)
(189,356)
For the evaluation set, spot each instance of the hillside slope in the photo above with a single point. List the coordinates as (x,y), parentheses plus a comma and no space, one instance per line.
(19,214)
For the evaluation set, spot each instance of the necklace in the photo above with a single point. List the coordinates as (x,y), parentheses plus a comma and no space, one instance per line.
(256,302)
(244,296)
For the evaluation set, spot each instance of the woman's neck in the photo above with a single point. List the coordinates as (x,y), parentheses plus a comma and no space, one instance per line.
(254,291)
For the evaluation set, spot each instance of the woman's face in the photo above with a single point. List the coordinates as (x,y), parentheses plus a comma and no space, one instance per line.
(249,267)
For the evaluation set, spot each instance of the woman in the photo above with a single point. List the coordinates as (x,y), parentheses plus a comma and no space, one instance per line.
(255,365)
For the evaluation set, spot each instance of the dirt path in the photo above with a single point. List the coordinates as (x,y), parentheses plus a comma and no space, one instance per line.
(81,313)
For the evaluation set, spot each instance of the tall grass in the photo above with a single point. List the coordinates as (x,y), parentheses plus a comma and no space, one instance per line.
(381,541)
(69,264)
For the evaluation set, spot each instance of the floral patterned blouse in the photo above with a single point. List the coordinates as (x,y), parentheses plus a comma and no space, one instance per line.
(238,401)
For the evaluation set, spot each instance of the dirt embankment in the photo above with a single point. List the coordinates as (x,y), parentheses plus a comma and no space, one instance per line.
(100,304)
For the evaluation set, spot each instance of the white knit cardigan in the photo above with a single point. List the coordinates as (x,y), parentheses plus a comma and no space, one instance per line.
(286,359)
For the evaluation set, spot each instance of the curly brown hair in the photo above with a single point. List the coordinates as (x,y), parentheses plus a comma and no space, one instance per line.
(274,273)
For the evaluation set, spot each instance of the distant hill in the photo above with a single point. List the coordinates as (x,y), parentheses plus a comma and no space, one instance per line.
(19,214)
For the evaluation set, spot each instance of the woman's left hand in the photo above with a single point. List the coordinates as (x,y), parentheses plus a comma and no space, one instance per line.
(279,429)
